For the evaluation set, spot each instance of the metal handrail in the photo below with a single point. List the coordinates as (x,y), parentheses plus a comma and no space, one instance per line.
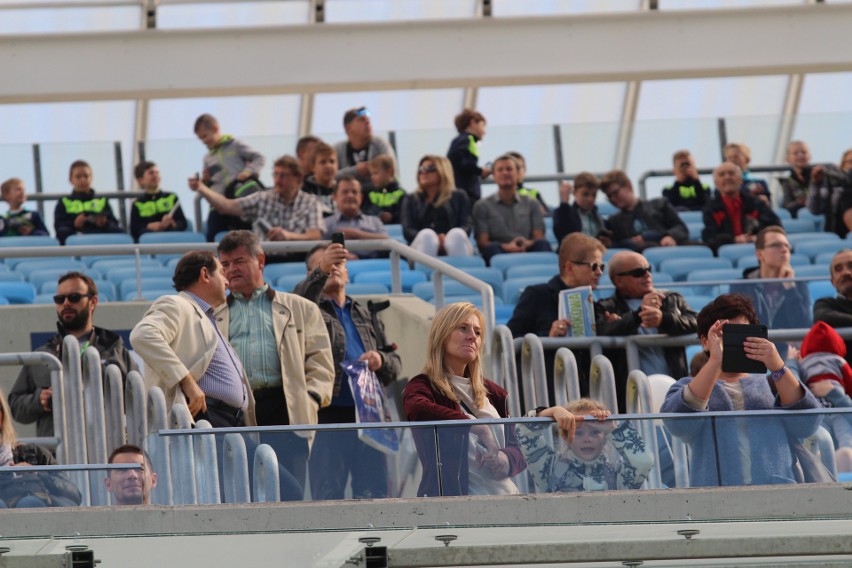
(643,191)
(57,386)
(397,250)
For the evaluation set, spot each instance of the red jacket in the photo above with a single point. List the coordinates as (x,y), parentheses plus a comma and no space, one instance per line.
(820,342)
(423,403)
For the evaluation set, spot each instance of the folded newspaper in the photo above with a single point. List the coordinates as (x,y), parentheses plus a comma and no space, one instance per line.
(577,305)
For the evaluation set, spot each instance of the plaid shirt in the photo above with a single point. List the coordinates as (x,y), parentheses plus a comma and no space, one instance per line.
(304,213)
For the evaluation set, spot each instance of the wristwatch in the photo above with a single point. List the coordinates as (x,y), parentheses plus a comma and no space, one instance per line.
(776,375)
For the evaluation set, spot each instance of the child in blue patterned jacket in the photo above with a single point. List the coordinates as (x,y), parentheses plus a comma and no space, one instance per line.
(593,456)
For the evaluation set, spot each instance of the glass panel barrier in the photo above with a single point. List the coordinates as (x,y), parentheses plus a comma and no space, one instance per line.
(24,486)
(461,457)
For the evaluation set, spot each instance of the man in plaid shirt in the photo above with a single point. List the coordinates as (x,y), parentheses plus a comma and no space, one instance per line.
(283,214)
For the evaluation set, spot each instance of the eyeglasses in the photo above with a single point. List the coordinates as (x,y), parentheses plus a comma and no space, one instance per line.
(784,246)
(613,192)
(427,169)
(636,272)
(73,297)
(593,265)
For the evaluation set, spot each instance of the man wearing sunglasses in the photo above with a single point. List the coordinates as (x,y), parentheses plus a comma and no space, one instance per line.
(637,308)
(31,398)
(537,310)
(354,153)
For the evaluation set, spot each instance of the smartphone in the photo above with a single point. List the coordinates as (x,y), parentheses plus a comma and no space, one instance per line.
(264,226)
(338,238)
(734,358)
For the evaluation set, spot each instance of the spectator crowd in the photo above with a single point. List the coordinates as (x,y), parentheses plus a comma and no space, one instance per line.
(237,352)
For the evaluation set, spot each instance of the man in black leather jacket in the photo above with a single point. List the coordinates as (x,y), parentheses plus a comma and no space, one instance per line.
(637,308)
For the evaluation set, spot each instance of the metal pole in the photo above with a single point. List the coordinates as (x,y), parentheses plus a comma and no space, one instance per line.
(116,424)
(566,379)
(533,371)
(136,408)
(157,446)
(235,469)
(93,396)
(266,479)
(207,470)
(602,382)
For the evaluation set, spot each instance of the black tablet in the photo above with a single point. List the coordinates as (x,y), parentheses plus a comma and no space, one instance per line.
(734,359)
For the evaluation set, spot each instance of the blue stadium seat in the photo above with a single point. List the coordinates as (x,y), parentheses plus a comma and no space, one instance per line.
(409,278)
(99,239)
(287,282)
(127,287)
(811,236)
(67,263)
(43,298)
(513,287)
(783,214)
(371,264)
(462,262)
(698,301)
(11,277)
(605,208)
(503,313)
(815,247)
(546,271)
(695,230)
(821,289)
(367,289)
(426,290)
(4,301)
(793,226)
(105,263)
(18,292)
(16,242)
(795,260)
(151,295)
(42,275)
(474,299)
(608,254)
(678,268)
(171,237)
(691,216)
(713,275)
(504,261)
(657,255)
(736,251)
(119,274)
(272,272)
(106,289)
(824,258)
(395,232)
(823,270)
(659,278)
(32,241)
(818,220)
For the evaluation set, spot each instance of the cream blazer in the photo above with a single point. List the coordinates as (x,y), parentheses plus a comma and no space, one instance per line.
(305,353)
(175,338)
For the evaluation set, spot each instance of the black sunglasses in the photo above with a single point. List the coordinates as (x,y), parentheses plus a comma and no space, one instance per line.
(73,297)
(636,272)
(593,265)
(427,169)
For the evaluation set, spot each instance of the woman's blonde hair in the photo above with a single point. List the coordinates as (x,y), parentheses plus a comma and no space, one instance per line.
(445,173)
(7,431)
(445,322)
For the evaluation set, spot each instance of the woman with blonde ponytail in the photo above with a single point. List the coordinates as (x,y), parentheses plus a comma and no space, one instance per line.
(475,460)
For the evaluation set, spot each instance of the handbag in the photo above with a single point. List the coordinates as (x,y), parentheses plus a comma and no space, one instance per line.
(807,467)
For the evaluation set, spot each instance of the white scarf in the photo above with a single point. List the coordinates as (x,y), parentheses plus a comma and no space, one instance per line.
(478,482)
